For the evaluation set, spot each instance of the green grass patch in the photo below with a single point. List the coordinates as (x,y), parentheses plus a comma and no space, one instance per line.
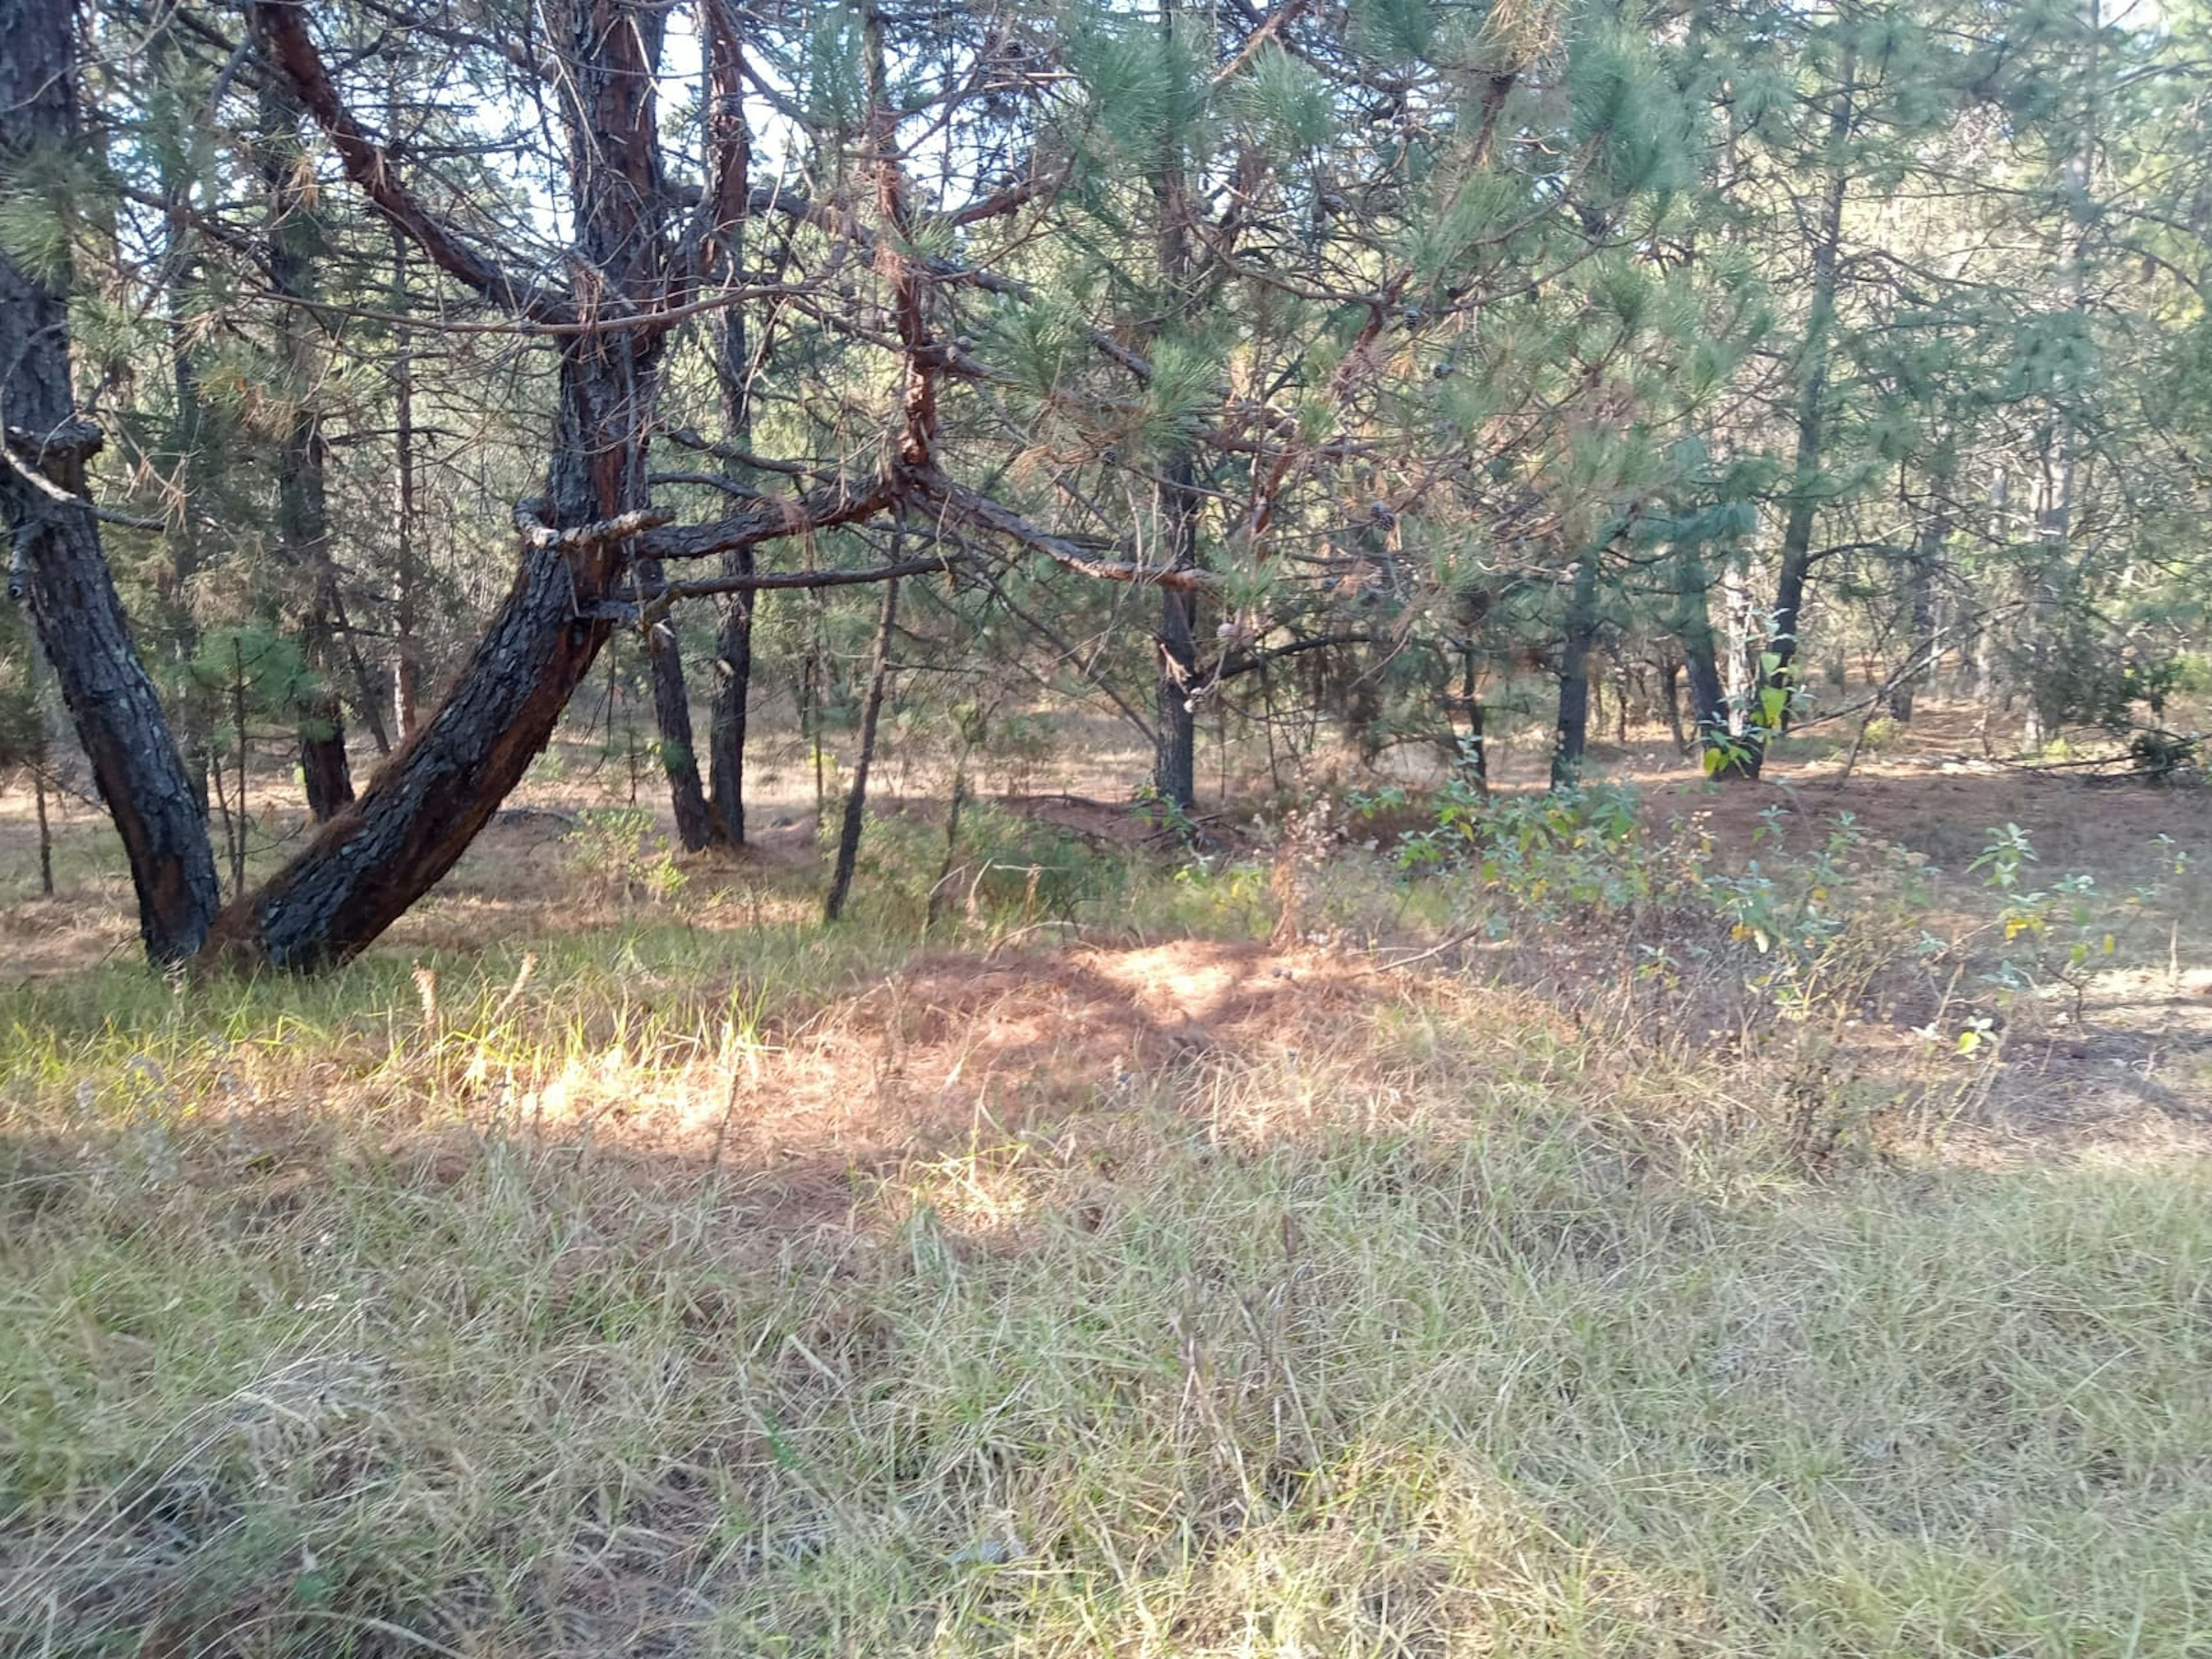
(1419,1342)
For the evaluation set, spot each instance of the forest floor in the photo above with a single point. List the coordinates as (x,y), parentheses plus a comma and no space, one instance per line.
(1262,1255)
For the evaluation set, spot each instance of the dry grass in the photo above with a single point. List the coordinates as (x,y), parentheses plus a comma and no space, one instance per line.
(585,1274)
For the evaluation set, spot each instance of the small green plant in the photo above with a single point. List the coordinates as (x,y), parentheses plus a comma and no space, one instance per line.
(615,848)
(1008,870)
(1162,813)
(2063,934)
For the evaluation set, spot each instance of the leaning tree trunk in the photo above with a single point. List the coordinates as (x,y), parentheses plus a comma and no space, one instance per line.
(58,565)
(429,800)
(856,802)
(672,719)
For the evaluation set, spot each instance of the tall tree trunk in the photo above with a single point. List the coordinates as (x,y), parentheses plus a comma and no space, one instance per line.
(734,366)
(62,571)
(1175,771)
(185,464)
(726,738)
(1670,689)
(303,534)
(1708,700)
(672,719)
(1475,747)
(1175,768)
(1920,641)
(1811,420)
(368,697)
(1571,740)
(856,802)
(303,531)
(420,812)
(1709,703)
(406,660)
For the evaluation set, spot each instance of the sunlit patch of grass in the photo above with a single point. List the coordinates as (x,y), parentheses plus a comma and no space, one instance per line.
(668,1283)
(1440,1329)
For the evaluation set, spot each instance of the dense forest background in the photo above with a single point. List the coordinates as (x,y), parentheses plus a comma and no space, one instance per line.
(1386,376)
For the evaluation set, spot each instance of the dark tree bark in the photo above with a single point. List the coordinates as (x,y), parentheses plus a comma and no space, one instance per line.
(1571,740)
(184,462)
(734,366)
(1693,627)
(672,719)
(1920,614)
(303,541)
(1474,748)
(1174,768)
(57,561)
(725,739)
(1796,561)
(303,531)
(1175,771)
(856,802)
(406,662)
(424,807)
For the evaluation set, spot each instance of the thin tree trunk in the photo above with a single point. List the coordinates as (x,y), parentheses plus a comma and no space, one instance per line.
(303,533)
(1474,748)
(1708,702)
(856,802)
(41,752)
(1920,614)
(1812,419)
(725,739)
(242,821)
(1571,740)
(733,634)
(1175,770)
(369,698)
(64,575)
(186,464)
(672,719)
(941,892)
(1670,675)
(406,660)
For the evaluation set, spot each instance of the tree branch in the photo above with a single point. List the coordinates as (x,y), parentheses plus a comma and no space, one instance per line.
(539,534)
(772,516)
(647,607)
(293,55)
(985,513)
